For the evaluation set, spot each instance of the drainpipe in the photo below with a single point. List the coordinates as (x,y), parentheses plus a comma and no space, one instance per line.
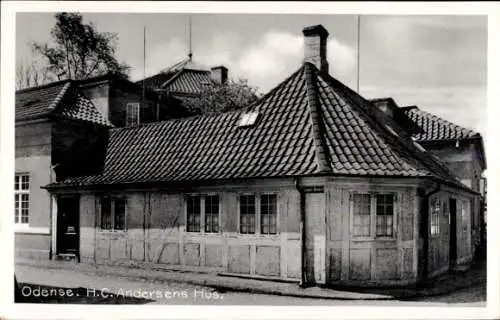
(51,179)
(303,278)
(426,198)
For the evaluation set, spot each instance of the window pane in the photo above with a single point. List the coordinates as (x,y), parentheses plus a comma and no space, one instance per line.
(212,214)
(25,182)
(435,213)
(193,213)
(106,214)
(268,212)
(247,214)
(16,182)
(119,214)
(361,214)
(132,114)
(385,212)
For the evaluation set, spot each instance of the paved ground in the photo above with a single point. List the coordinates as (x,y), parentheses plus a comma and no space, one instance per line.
(84,288)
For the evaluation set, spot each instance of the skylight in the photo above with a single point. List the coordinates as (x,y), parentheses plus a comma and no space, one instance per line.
(248,119)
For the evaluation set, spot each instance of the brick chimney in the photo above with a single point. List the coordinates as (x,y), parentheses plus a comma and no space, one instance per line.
(315,46)
(219,74)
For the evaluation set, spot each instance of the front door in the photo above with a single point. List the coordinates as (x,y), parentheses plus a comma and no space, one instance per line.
(68,218)
(315,238)
(453,232)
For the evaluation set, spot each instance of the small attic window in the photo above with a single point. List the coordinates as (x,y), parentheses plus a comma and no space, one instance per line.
(248,119)
(391,130)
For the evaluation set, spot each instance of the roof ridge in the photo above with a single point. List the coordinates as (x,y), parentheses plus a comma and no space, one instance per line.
(59,97)
(169,81)
(43,86)
(316,117)
(453,125)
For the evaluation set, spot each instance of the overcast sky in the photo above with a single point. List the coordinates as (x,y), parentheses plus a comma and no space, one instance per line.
(435,62)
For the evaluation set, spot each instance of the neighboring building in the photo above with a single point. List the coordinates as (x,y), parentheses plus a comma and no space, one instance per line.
(58,133)
(185,80)
(61,130)
(461,149)
(121,101)
(311,183)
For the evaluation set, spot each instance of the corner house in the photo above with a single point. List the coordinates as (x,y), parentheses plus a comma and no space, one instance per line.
(312,183)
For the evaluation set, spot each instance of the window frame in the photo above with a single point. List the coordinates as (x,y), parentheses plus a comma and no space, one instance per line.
(137,107)
(112,212)
(202,197)
(432,218)
(373,216)
(20,192)
(258,215)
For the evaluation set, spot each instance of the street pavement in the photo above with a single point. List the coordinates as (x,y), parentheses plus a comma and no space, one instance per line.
(101,289)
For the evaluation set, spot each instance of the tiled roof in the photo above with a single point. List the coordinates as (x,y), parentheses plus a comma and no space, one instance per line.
(61,99)
(184,78)
(436,128)
(309,124)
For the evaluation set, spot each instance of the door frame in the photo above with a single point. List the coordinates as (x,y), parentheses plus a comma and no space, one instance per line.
(57,221)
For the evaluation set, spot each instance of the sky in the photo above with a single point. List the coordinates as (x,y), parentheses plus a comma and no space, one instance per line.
(438,63)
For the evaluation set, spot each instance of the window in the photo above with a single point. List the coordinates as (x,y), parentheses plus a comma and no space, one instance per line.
(259,214)
(385,213)
(361,211)
(193,213)
(202,212)
(113,214)
(21,198)
(247,214)
(376,209)
(465,215)
(435,212)
(248,119)
(268,214)
(212,214)
(132,114)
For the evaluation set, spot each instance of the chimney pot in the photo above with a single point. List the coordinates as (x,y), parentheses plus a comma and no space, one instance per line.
(315,40)
(219,74)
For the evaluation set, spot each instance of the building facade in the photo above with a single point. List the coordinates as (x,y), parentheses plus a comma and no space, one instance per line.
(311,183)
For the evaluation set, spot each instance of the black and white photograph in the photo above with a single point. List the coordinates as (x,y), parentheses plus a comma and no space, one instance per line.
(191,156)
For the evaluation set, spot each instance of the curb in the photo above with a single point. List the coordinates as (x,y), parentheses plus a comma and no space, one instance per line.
(90,269)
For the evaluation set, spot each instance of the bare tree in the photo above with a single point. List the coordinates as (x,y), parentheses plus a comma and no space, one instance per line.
(31,74)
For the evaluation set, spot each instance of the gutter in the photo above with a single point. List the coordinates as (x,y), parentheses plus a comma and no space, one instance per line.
(300,189)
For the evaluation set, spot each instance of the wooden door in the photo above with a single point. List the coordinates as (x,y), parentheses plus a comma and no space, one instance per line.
(68,225)
(315,240)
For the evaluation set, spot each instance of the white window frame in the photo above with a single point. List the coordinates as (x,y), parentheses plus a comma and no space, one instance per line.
(20,192)
(257,220)
(373,216)
(137,107)
(113,200)
(202,212)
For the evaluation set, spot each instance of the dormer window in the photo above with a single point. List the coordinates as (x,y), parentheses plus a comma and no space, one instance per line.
(133,114)
(248,119)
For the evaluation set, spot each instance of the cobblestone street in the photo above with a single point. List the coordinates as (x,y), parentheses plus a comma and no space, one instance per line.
(89,289)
